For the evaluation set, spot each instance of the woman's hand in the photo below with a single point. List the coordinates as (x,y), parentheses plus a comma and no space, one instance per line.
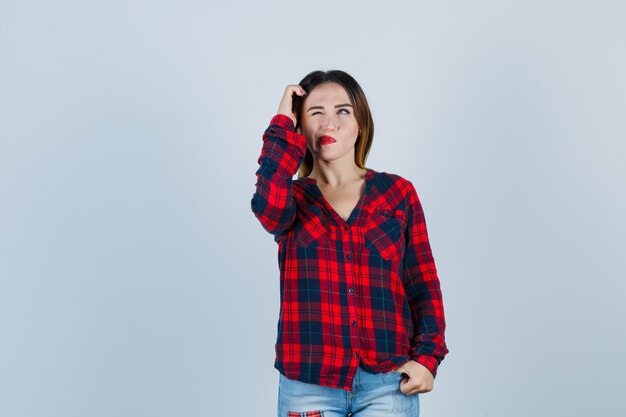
(420,379)
(286,103)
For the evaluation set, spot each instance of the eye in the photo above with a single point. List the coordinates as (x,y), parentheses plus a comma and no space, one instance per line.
(346,111)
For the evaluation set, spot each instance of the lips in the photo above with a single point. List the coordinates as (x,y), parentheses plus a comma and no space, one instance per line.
(325,140)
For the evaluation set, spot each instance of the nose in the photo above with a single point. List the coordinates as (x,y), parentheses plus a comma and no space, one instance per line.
(329,123)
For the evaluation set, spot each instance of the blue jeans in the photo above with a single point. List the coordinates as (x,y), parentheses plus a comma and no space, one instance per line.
(372,395)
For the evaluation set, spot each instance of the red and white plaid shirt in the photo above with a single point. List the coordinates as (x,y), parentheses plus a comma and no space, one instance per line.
(358,292)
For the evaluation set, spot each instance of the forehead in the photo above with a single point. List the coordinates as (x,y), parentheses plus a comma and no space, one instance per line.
(330,92)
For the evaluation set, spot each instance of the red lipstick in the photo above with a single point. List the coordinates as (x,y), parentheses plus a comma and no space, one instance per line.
(325,140)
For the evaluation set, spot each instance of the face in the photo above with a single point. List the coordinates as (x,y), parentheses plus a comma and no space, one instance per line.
(328,114)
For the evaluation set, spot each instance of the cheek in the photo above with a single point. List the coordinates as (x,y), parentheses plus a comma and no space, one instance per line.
(307,128)
(355,126)
(310,136)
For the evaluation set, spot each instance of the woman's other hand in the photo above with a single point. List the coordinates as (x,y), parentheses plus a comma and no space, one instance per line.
(286,103)
(420,379)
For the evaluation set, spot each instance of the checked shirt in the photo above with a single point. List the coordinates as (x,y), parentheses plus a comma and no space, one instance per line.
(359,292)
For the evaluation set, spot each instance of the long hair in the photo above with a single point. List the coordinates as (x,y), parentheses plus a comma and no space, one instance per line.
(362,113)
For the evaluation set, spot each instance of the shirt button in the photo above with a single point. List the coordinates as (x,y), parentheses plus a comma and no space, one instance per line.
(351,290)
(356,355)
(345,227)
(354,323)
(349,257)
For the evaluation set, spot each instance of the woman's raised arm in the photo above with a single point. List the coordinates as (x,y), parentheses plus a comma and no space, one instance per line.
(281,155)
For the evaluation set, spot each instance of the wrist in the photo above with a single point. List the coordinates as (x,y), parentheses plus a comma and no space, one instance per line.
(293,120)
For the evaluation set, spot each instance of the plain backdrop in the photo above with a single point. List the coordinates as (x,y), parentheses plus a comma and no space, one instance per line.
(136,281)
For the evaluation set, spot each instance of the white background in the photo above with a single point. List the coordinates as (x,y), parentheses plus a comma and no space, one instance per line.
(136,281)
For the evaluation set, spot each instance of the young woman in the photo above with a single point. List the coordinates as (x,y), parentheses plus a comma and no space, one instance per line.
(361,324)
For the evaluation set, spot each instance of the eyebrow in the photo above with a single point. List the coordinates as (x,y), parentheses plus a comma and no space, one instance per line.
(322,107)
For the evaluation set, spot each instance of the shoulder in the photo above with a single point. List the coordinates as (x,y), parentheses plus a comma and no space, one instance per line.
(393,182)
(303,190)
(301,183)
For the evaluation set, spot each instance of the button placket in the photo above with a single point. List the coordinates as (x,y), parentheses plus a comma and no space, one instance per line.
(348,246)
(356,219)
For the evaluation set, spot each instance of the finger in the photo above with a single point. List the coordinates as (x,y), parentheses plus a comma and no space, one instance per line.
(420,389)
(409,390)
(295,88)
(411,387)
(299,91)
(405,385)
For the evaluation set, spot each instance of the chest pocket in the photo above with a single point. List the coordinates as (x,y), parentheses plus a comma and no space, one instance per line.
(311,228)
(384,234)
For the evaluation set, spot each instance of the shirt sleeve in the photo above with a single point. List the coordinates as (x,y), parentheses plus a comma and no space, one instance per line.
(423,290)
(282,152)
